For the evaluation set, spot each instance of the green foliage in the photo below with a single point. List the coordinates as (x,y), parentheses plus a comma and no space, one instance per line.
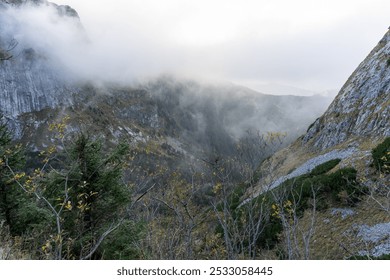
(235,197)
(122,243)
(70,202)
(13,210)
(327,187)
(342,186)
(297,194)
(270,235)
(89,189)
(381,156)
(27,216)
(325,167)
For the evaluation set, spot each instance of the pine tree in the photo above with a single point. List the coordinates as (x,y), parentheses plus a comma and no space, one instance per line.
(11,198)
(86,182)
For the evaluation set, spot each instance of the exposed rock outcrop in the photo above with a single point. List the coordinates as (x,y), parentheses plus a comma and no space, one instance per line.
(63,10)
(28,80)
(357,119)
(362,108)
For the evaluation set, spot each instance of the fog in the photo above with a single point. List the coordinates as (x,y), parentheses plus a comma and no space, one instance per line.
(313,45)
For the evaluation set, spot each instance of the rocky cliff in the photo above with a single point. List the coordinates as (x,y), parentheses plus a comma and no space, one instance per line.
(29,80)
(357,119)
(362,107)
(354,124)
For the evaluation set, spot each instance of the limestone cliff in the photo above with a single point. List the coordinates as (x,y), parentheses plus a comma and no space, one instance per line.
(355,122)
(362,108)
(357,119)
(28,80)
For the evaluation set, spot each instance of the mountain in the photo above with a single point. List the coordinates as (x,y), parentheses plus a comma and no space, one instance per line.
(356,122)
(196,132)
(362,107)
(35,88)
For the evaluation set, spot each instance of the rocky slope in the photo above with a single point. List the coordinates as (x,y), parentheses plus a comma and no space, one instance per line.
(356,121)
(362,108)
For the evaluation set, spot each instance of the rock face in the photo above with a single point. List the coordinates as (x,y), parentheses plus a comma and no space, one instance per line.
(362,108)
(29,85)
(63,10)
(355,123)
(28,82)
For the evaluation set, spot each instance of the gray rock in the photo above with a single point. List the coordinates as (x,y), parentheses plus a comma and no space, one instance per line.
(374,233)
(362,106)
(28,80)
(381,249)
(379,235)
(309,165)
(344,212)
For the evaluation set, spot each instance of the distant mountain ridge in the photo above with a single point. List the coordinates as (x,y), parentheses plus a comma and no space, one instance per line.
(31,82)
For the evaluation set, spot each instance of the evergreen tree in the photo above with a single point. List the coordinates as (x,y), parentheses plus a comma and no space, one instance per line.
(11,197)
(86,182)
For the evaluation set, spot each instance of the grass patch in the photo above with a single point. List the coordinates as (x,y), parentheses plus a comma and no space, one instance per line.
(336,237)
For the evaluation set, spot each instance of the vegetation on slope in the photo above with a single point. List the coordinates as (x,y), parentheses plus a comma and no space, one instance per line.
(83,199)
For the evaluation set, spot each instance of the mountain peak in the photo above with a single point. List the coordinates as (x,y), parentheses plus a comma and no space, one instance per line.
(63,10)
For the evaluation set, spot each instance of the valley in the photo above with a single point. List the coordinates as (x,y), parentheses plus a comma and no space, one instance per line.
(175,168)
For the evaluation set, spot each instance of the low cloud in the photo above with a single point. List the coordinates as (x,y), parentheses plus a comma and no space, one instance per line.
(224,40)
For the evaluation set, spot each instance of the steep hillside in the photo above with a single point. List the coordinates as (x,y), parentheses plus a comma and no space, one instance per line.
(354,124)
(362,108)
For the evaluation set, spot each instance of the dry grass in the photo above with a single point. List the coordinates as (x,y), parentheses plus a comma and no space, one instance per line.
(335,237)
(11,248)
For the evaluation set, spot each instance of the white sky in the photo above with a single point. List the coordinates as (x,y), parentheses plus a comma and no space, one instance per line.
(310,44)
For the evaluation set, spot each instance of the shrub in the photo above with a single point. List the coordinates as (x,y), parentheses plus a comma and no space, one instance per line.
(381,156)
(340,187)
(122,243)
(325,167)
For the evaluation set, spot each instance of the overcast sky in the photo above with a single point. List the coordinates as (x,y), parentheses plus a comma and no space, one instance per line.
(310,44)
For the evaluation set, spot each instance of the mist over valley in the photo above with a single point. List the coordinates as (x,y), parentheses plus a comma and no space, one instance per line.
(153,134)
